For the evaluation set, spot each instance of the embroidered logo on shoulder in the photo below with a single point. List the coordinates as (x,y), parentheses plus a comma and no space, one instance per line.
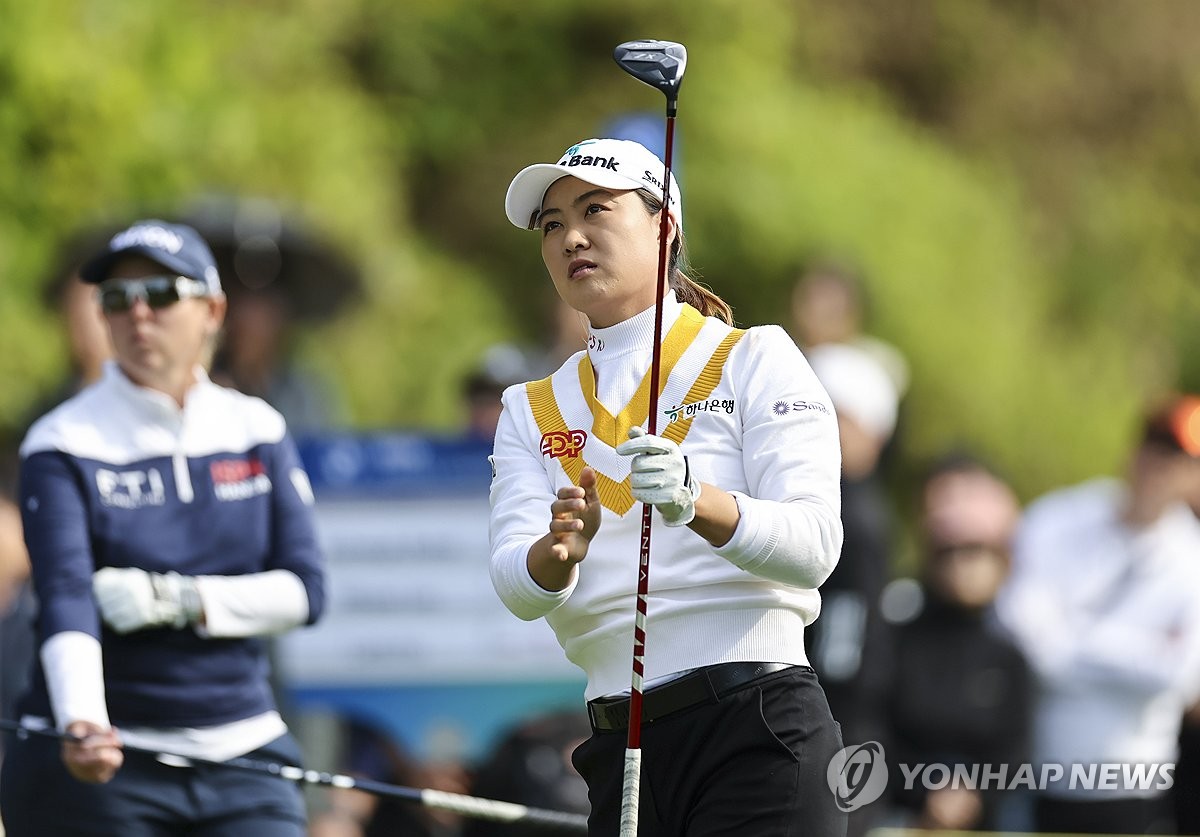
(782,408)
(239,479)
(559,443)
(687,411)
(130,489)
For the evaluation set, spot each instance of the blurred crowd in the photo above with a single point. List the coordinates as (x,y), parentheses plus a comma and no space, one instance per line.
(1065,630)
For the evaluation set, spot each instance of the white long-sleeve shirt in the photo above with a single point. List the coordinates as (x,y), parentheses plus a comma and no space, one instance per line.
(753,420)
(1109,618)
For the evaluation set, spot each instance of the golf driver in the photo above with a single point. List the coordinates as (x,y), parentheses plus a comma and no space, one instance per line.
(559,822)
(659,64)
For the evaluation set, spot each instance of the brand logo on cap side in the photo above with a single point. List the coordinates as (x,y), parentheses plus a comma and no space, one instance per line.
(649,177)
(154,236)
(574,149)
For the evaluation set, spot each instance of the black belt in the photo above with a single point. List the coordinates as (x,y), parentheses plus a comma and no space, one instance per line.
(704,685)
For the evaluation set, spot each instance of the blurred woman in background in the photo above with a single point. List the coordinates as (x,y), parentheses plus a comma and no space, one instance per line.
(169,527)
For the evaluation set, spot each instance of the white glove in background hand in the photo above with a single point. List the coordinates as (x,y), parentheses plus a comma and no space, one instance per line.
(659,475)
(131,599)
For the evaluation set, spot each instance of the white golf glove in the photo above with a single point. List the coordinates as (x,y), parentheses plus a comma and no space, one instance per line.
(659,475)
(131,599)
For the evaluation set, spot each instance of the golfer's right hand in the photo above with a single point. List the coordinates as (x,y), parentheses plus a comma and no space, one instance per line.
(93,753)
(575,518)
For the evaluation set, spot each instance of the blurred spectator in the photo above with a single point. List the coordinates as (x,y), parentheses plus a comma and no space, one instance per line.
(89,346)
(567,332)
(1105,601)
(87,334)
(532,766)
(75,303)
(844,643)
(17,609)
(866,399)
(505,364)
(1186,790)
(256,357)
(371,753)
(502,366)
(280,275)
(960,691)
(563,332)
(828,306)
(866,379)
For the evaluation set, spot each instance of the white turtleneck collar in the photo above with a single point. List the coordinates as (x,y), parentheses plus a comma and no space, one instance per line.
(113,372)
(621,354)
(636,333)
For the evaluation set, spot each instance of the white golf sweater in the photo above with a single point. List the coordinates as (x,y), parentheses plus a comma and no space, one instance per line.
(752,419)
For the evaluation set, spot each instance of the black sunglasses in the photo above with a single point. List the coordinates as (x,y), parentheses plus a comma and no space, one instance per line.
(156,291)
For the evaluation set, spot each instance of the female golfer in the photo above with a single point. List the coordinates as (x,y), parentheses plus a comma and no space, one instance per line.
(169,527)
(743,472)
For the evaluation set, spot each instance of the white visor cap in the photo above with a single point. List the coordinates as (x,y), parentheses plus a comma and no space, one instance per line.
(858,385)
(609,163)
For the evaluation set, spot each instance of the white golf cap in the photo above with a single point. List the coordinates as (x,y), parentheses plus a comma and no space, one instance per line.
(858,385)
(610,163)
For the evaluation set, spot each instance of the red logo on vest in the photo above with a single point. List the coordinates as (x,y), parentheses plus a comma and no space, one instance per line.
(235,470)
(568,443)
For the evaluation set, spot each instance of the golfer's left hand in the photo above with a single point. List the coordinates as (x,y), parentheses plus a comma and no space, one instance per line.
(92,753)
(659,475)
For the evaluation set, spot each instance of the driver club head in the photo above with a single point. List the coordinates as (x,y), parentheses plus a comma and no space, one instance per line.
(659,64)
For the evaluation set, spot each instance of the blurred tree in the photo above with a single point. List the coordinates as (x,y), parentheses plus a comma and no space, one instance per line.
(1017,179)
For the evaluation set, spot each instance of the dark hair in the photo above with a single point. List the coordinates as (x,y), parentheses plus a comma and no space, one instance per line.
(699,296)
(839,271)
(958,461)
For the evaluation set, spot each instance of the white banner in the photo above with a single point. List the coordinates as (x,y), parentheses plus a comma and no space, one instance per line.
(410,602)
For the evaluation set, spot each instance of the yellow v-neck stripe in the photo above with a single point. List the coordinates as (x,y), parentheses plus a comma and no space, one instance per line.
(705,383)
(612,430)
(616,495)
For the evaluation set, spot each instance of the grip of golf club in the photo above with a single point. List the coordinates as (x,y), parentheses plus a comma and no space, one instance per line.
(630,789)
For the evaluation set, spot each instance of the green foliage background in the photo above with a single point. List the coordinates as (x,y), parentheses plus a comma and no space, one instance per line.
(1017,181)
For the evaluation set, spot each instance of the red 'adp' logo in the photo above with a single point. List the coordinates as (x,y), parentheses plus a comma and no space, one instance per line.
(566,443)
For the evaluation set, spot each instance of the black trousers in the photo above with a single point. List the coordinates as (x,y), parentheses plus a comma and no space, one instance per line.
(1127,815)
(752,763)
(39,798)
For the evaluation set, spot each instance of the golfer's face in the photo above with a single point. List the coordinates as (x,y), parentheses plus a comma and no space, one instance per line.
(600,247)
(157,346)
